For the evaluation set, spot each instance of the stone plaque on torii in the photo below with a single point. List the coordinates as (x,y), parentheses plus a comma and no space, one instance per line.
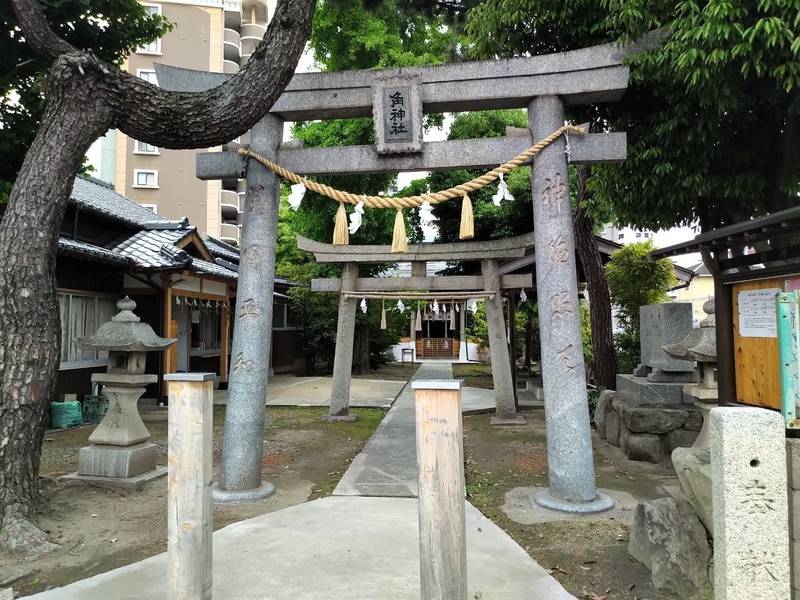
(543,85)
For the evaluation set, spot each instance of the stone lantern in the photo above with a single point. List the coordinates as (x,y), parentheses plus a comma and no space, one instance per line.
(120,454)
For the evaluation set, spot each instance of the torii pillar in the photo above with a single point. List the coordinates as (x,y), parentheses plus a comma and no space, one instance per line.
(242,445)
(569,439)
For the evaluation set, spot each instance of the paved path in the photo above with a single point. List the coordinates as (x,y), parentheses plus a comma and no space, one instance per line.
(335,548)
(387,466)
(346,546)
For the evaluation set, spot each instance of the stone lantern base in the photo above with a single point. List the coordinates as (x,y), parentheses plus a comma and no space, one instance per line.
(124,467)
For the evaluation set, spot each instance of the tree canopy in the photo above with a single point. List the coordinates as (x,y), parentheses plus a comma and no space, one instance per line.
(110,29)
(711,112)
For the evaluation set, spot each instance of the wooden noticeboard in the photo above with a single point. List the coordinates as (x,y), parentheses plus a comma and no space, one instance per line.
(756,358)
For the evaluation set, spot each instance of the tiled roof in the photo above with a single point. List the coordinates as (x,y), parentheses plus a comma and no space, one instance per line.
(145,246)
(99,197)
(221,249)
(77,248)
(154,246)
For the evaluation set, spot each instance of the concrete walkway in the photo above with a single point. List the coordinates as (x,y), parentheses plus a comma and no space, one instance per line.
(350,545)
(334,548)
(387,466)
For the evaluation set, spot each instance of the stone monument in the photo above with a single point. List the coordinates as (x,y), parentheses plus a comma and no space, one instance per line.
(120,454)
(649,415)
(700,345)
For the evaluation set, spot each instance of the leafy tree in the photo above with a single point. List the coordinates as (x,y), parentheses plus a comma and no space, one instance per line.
(123,26)
(712,109)
(636,281)
(85,95)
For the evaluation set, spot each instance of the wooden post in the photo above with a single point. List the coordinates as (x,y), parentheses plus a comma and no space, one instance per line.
(440,461)
(189,509)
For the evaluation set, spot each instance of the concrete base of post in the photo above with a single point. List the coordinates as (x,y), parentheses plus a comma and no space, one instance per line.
(340,418)
(601,502)
(220,496)
(505,421)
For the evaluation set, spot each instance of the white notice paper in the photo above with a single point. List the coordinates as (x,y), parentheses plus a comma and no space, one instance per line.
(757,313)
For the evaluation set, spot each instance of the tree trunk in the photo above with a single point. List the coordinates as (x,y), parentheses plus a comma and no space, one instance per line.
(361,349)
(85,97)
(30,338)
(604,358)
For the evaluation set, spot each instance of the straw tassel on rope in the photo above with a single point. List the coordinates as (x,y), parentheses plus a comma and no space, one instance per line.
(383,315)
(467,230)
(341,234)
(399,242)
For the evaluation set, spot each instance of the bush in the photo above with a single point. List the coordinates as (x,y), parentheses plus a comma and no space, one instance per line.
(626,344)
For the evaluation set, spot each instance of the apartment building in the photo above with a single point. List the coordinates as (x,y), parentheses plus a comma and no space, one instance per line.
(208,35)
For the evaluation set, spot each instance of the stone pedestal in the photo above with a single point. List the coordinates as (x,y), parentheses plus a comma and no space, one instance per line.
(117,461)
(122,425)
(642,391)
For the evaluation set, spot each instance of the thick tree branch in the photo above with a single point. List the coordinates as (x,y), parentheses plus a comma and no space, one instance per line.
(38,34)
(203,119)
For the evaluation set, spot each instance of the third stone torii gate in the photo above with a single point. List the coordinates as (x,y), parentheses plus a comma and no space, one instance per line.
(543,85)
(488,285)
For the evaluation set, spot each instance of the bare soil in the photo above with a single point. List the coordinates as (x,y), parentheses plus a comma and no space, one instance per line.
(102,529)
(589,558)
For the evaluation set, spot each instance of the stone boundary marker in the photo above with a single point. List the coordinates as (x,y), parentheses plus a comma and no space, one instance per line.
(440,458)
(189,508)
(793,460)
(748,467)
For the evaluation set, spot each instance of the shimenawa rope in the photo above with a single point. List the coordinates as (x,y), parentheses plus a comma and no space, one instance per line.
(399,203)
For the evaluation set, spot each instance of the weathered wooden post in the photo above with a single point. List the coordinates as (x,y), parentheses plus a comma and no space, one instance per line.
(440,461)
(189,508)
(750,505)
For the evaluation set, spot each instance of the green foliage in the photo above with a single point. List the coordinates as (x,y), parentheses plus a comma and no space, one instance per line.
(626,345)
(711,112)
(635,281)
(110,28)
(491,222)
(477,327)
(586,330)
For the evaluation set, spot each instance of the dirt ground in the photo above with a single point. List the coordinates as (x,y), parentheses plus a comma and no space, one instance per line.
(477,375)
(101,529)
(589,557)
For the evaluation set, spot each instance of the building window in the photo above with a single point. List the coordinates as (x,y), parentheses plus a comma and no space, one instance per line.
(81,314)
(620,236)
(638,234)
(153,207)
(144,148)
(145,179)
(285,317)
(646,234)
(153,47)
(149,75)
(206,328)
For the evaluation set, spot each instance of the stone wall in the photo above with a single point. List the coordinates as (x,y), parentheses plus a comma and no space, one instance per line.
(644,431)
(793,459)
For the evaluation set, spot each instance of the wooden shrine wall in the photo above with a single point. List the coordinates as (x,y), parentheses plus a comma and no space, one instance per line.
(756,358)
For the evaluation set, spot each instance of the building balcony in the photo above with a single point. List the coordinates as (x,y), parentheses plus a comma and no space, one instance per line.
(233,14)
(255,11)
(229,205)
(243,59)
(230,67)
(253,30)
(229,233)
(232,48)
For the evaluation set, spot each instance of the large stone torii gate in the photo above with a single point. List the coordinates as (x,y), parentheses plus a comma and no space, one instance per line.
(543,85)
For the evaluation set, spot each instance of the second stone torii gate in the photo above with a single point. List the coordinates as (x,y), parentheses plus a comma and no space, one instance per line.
(489,285)
(542,84)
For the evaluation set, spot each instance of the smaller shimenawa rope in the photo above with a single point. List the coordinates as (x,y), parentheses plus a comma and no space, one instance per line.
(400,203)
